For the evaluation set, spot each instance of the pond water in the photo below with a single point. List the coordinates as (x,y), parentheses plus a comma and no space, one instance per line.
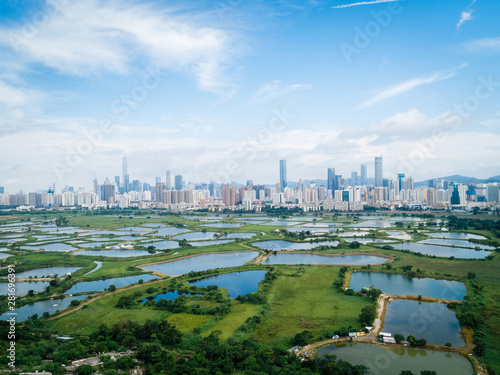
(352,234)
(196,236)
(114,253)
(404,285)
(288,258)
(50,306)
(223,225)
(135,229)
(51,247)
(373,224)
(457,236)
(312,230)
(283,223)
(237,283)
(4,255)
(163,245)
(368,240)
(100,285)
(441,251)
(94,244)
(203,262)
(208,243)
(154,225)
(320,225)
(383,360)
(171,295)
(99,265)
(22,287)
(279,245)
(431,321)
(461,243)
(164,232)
(399,235)
(46,272)
(238,235)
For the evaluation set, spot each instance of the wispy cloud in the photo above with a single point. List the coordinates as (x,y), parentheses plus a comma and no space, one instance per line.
(363,3)
(464,17)
(18,97)
(277,88)
(93,37)
(409,85)
(483,44)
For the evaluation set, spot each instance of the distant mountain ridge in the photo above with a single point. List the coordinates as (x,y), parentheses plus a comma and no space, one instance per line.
(462,180)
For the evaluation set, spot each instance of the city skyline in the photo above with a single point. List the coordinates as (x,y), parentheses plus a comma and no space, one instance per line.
(319,84)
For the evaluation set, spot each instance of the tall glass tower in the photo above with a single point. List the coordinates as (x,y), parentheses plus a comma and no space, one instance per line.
(379,175)
(283,179)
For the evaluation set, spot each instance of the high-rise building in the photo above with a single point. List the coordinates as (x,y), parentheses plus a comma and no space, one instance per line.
(108,192)
(330,180)
(229,196)
(178,182)
(2,190)
(126,177)
(401,177)
(168,181)
(364,175)
(354,178)
(249,182)
(159,191)
(283,178)
(95,184)
(379,175)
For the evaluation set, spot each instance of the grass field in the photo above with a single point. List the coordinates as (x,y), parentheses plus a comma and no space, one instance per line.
(297,300)
(307,302)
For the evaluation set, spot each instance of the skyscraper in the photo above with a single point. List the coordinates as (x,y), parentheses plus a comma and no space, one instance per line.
(330,180)
(354,178)
(168,181)
(401,177)
(364,176)
(229,196)
(379,175)
(178,182)
(125,175)
(283,179)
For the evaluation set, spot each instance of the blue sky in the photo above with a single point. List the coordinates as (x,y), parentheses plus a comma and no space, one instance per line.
(222,90)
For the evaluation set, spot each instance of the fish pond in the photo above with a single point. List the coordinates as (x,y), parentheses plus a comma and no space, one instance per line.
(203,262)
(424,320)
(403,285)
(355,260)
(383,360)
(237,283)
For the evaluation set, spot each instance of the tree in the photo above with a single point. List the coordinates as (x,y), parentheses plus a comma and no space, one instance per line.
(421,342)
(399,337)
(471,275)
(168,334)
(367,315)
(112,288)
(84,370)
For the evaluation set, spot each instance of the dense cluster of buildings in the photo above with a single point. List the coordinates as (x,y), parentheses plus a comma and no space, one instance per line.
(338,193)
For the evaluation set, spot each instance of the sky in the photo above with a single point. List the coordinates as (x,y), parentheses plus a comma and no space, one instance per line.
(221,90)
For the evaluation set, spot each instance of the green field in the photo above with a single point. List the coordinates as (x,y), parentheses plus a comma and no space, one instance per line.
(307,301)
(300,298)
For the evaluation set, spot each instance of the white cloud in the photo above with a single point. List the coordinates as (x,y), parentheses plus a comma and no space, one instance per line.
(405,86)
(17,97)
(363,3)
(464,17)
(95,36)
(483,44)
(277,88)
